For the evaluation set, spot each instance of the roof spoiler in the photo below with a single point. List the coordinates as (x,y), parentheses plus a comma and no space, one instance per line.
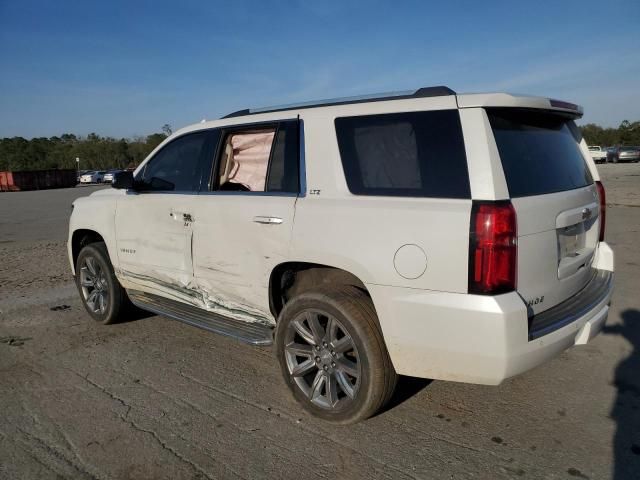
(507,100)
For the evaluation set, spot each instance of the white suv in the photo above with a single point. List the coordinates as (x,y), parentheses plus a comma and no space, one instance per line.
(453,237)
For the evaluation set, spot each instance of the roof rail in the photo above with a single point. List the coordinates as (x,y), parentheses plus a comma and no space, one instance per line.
(438,91)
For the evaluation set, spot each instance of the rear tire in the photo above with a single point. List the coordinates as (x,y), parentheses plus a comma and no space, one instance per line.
(333,356)
(100,292)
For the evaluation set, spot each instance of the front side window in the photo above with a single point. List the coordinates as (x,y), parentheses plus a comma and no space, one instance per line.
(263,159)
(176,166)
(413,154)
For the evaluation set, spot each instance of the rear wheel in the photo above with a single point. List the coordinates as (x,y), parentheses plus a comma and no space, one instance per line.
(100,291)
(333,356)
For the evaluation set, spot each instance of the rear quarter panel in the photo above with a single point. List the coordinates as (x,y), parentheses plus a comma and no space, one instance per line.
(361,234)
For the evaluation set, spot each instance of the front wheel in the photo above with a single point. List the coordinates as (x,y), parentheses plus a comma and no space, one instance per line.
(333,356)
(101,293)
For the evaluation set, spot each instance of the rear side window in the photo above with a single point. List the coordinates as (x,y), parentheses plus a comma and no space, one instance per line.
(413,154)
(245,160)
(283,169)
(539,152)
(259,159)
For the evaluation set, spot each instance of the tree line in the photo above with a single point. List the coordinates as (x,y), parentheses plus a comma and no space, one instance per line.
(94,151)
(101,153)
(628,133)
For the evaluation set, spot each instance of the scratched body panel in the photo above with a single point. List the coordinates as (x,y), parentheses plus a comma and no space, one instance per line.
(233,255)
(188,292)
(219,260)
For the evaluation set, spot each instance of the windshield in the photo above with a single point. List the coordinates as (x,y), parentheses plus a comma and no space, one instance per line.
(540,151)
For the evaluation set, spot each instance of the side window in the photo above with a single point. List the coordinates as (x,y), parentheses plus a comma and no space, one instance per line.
(244,160)
(284,168)
(176,166)
(414,154)
(259,160)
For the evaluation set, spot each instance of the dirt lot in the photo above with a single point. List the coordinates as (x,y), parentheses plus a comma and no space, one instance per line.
(154,398)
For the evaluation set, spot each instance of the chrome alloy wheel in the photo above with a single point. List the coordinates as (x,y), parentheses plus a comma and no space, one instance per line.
(322,359)
(95,289)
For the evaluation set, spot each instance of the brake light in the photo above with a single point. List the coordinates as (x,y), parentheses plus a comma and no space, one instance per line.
(603,208)
(493,248)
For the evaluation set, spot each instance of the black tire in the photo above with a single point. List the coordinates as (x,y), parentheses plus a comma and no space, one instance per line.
(116,301)
(355,314)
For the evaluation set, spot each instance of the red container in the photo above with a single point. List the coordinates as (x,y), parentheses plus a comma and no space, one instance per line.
(37,180)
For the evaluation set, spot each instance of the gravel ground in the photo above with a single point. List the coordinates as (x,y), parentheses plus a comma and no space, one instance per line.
(153,398)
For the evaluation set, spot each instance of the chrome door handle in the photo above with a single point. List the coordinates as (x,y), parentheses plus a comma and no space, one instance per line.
(268,220)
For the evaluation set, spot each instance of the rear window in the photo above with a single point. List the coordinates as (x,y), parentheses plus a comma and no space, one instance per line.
(540,152)
(414,154)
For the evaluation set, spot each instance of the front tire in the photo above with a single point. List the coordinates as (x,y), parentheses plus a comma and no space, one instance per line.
(333,356)
(100,291)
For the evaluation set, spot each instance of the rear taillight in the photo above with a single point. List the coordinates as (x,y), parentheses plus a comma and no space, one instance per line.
(603,209)
(493,248)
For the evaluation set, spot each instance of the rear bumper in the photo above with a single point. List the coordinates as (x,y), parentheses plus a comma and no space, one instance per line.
(481,339)
(598,289)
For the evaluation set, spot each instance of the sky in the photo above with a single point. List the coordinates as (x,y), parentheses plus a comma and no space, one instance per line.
(125,68)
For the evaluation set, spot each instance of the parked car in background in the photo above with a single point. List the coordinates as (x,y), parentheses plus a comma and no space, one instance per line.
(81,173)
(623,154)
(87,177)
(110,175)
(92,177)
(365,239)
(598,154)
(629,154)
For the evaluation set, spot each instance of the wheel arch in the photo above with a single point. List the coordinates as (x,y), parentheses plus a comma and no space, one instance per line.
(81,238)
(290,278)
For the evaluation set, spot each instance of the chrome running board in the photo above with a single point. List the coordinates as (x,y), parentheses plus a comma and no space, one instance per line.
(251,333)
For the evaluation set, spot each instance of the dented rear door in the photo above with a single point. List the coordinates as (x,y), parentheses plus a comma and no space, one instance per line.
(239,237)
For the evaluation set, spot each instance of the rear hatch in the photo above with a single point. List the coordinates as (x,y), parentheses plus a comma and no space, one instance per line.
(555,199)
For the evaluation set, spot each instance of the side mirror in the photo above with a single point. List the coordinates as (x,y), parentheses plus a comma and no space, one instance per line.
(123,180)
